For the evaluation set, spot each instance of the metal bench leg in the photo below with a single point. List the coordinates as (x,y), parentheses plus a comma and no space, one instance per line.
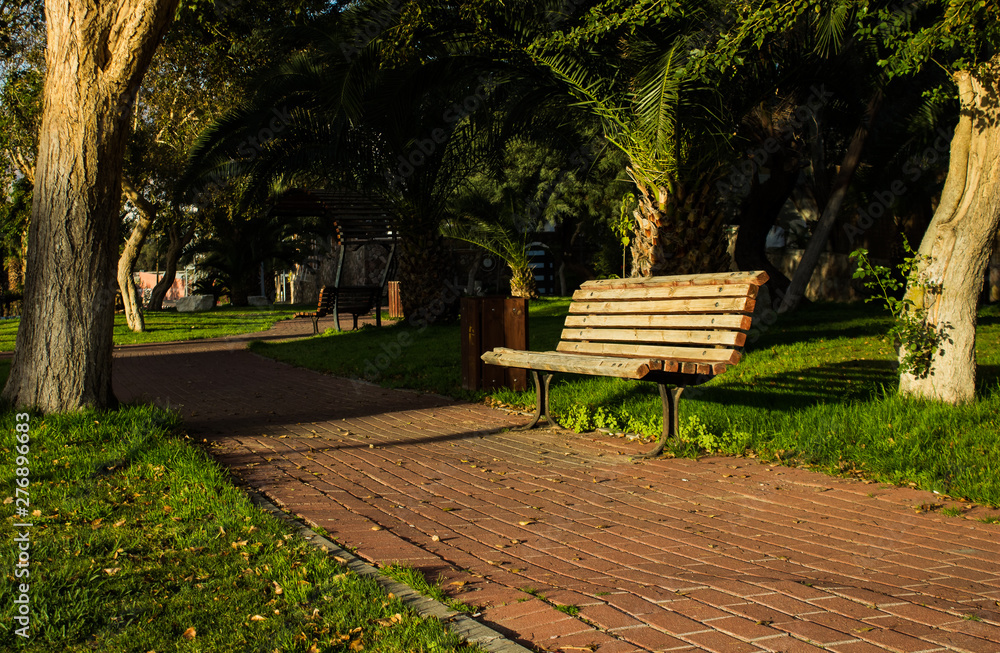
(541,404)
(671,419)
(315,319)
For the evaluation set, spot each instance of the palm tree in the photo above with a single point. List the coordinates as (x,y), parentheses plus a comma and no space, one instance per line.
(393,130)
(636,82)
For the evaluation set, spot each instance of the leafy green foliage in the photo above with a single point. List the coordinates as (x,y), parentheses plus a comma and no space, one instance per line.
(921,338)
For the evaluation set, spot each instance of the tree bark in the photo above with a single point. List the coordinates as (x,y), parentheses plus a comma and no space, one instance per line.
(425,271)
(177,243)
(678,232)
(759,214)
(817,243)
(993,274)
(959,240)
(126,262)
(95,58)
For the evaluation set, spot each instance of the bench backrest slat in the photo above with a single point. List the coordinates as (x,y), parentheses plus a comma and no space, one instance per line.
(691,324)
(755,278)
(663,336)
(721,305)
(736,321)
(665,292)
(687,354)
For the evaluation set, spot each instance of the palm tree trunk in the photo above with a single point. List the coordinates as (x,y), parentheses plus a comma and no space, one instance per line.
(959,240)
(677,232)
(425,271)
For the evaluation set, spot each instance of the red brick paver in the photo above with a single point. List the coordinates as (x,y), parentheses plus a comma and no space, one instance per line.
(720,554)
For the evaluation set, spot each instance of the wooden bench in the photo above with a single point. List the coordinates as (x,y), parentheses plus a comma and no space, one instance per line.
(323,307)
(358,301)
(675,331)
(355,300)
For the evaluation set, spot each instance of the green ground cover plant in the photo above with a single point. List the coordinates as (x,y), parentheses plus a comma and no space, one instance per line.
(818,389)
(141,543)
(169,325)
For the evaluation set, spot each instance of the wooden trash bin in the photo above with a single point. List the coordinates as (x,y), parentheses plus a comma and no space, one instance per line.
(489,322)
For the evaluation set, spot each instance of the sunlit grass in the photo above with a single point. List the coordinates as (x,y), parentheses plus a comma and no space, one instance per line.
(140,542)
(167,326)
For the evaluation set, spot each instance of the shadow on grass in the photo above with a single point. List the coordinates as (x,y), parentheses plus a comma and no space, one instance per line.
(830,383)
(823,322)
(987,376)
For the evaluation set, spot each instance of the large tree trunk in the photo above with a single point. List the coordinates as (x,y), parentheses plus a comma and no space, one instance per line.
(993,274)
(959,240)
(817,243)
(678,232)
(95,58)
(176,244)
(425,273)
(758,215)
(126,262)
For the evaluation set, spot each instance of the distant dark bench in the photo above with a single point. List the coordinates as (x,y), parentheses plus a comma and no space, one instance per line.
(677,331)
(356,300)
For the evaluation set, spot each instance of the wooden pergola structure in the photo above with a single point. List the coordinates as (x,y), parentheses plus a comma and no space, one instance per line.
(357,221)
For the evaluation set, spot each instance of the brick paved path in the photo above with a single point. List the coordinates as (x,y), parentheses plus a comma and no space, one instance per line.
(720,554)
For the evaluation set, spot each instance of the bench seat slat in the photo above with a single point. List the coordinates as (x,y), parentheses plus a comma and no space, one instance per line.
(683,354)
(740,322)
(756,278)
(665,292)
(663,336)
(721,305)
(551,361)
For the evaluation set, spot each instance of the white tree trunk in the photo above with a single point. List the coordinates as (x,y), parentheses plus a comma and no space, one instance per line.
(95,58)
(960,238)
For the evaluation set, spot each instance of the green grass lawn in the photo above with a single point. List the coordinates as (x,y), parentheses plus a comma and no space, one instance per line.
(818,388)
(141,543)
(166,326)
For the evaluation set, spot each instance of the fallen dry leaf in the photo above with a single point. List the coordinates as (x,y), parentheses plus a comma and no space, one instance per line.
(257,617)
(189,634)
